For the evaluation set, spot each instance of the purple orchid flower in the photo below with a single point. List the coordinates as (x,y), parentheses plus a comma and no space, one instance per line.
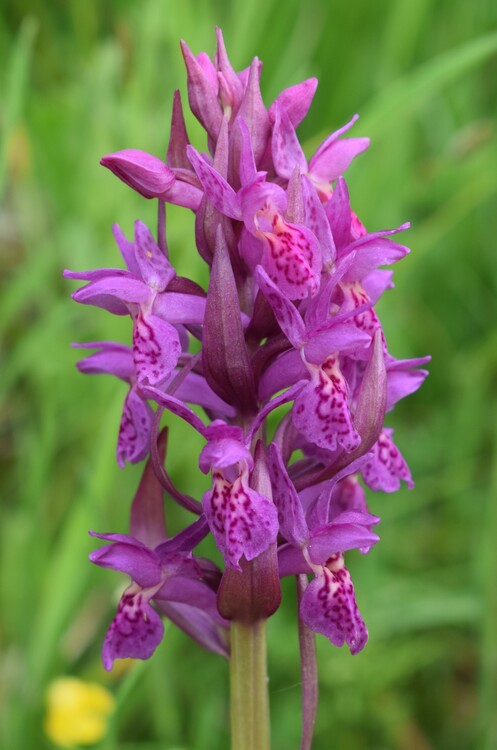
(287,328)
(316,541)
(243,521)
(167,574)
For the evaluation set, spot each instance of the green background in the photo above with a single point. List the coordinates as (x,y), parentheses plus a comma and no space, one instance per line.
(81,79)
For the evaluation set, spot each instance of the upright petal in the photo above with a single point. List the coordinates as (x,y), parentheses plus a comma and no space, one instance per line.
(290,512)
(155,269)
(285,312)
(216,188)
(339,214)
(334,156)
(296,100)
(286,149)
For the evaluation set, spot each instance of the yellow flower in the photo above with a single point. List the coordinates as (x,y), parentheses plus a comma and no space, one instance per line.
(77,711)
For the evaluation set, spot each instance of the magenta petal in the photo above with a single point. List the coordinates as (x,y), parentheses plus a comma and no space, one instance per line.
(135,632)
(284,310)
(315,218)
(339,537)
(329,607)
(216,188)
(282,398)
(291,561)
(195,390)
(372,253)
(333,337)
(291,257)
(243,522)
(183,193)
(377,282)
(285,497)
(114,291)
(321,412)
(387,467)
(338,212)
(134,431)
(127,250)
(155,269)
(331,161)
(177,307)
(140,563)
(328,157)
(282,373)
(201,626)
(176,407)
(111,359)
(248,170)
(403,379)
(286,149)
(296,100)
(145,173)
(156,349)
(223,450)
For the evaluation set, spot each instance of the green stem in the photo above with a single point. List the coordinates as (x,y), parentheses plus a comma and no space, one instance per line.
(249,687)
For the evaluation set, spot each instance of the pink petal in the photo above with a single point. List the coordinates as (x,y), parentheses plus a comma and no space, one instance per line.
(156,349)
(216,188)
(155,269)
(291,256)
(134,431)
(387,467)
(285,312)
(296,100)
(135,632)
(243,522)
(290,512)
(286,149)
(321,412)
(329,607)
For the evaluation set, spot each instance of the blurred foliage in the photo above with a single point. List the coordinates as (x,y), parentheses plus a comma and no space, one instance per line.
(80,79)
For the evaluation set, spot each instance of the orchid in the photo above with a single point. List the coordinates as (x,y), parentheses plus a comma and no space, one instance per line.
(286,326)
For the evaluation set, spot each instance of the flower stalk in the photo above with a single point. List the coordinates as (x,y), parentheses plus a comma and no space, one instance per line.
(249,686)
